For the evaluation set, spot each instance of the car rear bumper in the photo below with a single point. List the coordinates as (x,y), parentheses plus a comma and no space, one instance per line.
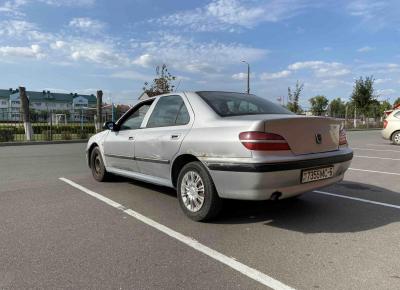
(258,181)
(386,133)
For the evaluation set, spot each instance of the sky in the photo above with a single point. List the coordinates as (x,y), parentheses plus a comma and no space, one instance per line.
(85,45)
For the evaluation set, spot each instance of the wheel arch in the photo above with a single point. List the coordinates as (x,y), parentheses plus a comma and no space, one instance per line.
(391,136)
(178,164)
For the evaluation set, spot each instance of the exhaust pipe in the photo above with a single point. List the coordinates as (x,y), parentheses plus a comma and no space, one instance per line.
(276,195)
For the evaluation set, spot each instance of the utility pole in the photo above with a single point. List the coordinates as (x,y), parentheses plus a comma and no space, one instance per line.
(248,76)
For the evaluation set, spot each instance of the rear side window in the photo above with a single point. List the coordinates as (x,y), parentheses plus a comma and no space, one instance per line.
(397,115)
(228,104)
(169,111)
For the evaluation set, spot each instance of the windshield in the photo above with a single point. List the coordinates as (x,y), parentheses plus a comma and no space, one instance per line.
(228,104)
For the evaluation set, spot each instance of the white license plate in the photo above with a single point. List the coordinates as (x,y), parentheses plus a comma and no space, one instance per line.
(315,174)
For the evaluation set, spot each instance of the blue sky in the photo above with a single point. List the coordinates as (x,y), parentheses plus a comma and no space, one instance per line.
(85,45)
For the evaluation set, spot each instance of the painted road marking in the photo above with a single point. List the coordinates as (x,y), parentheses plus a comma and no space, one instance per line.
(372,157)
(374,171)
(380,145)
(381,150)
(230,262)
(358,199)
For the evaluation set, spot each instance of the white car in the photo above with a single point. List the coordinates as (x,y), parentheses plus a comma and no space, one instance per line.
(391,127)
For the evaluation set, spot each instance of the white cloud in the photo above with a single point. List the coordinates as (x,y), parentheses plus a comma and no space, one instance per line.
(87,24)
(385,92)
(321,68)
(239,76)
(365,49)
(33,51)
(243,76)
(229,15)
(132,75)
(366,9)
(77,3)
(13,7)
(276,75)
(144,60)
(382,81)
(20,29)
(191,56)
(375,14)
(101,52)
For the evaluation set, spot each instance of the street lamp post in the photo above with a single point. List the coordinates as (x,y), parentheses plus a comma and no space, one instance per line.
(248,76)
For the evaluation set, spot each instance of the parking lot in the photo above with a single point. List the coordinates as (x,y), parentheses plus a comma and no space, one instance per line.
(78,233)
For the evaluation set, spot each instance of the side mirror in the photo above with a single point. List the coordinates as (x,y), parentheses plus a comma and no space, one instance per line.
(110,125)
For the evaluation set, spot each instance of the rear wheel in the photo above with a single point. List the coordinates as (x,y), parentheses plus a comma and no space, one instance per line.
(97,165)
(197,194)
(396,138)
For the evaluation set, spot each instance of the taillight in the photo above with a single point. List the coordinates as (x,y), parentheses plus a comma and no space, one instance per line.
(263,141)
(342,137)
(385,123)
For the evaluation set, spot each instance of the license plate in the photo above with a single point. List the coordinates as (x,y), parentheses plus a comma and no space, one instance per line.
(310,175)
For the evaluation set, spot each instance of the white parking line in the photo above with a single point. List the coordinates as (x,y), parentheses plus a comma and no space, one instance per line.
(230,262)
(374,171)
(379,150)
(380,145)
(358,199)
(372,157)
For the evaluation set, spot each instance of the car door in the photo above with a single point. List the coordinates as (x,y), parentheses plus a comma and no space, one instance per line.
(158,143)
(119,145)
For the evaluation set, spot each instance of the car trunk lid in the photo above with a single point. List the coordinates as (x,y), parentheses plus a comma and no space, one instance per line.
(306,135)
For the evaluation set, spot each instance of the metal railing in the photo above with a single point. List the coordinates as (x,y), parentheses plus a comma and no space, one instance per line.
(47,126)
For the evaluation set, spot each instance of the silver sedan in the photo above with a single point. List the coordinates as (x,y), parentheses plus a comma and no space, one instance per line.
(212,145)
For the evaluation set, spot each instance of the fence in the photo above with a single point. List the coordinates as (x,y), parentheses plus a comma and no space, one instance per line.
(371,122)
(47,126)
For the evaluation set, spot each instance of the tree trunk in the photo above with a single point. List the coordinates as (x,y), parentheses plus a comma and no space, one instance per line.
(99,110)
(25,113)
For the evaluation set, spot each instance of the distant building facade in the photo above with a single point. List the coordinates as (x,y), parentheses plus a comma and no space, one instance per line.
(45,101)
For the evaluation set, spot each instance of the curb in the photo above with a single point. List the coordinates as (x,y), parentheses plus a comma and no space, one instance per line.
(24,143)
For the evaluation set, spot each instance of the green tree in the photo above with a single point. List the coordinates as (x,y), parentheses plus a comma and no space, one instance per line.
(397,102)
(384,106)
(162,84)
(293,98)
(363,94)
(337,108)
(318,105)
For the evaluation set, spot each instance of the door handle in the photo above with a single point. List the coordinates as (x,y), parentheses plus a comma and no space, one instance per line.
(131,138)
(175,136)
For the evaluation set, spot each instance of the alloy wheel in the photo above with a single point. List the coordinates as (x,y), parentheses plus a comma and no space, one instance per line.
(192,191)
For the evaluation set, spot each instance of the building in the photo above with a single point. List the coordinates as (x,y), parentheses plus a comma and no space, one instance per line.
(72,104)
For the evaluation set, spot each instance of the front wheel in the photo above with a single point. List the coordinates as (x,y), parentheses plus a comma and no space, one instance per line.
(396,138)
(197,194)
(97,165)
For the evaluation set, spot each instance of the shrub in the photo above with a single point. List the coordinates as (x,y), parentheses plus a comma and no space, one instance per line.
(65,135)
(83,135)
(6,134)
(46,135)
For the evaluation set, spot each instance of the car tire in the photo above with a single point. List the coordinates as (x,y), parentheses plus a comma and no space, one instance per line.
(197,194)
(396,138)
(97,165)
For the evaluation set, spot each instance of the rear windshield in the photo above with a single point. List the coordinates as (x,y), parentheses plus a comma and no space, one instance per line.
(228,104)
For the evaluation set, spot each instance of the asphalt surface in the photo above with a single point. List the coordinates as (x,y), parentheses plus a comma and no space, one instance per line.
(53,235)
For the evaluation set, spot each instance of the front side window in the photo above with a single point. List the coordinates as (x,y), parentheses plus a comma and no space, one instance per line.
(136,118)
(228,104)
(169,111)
